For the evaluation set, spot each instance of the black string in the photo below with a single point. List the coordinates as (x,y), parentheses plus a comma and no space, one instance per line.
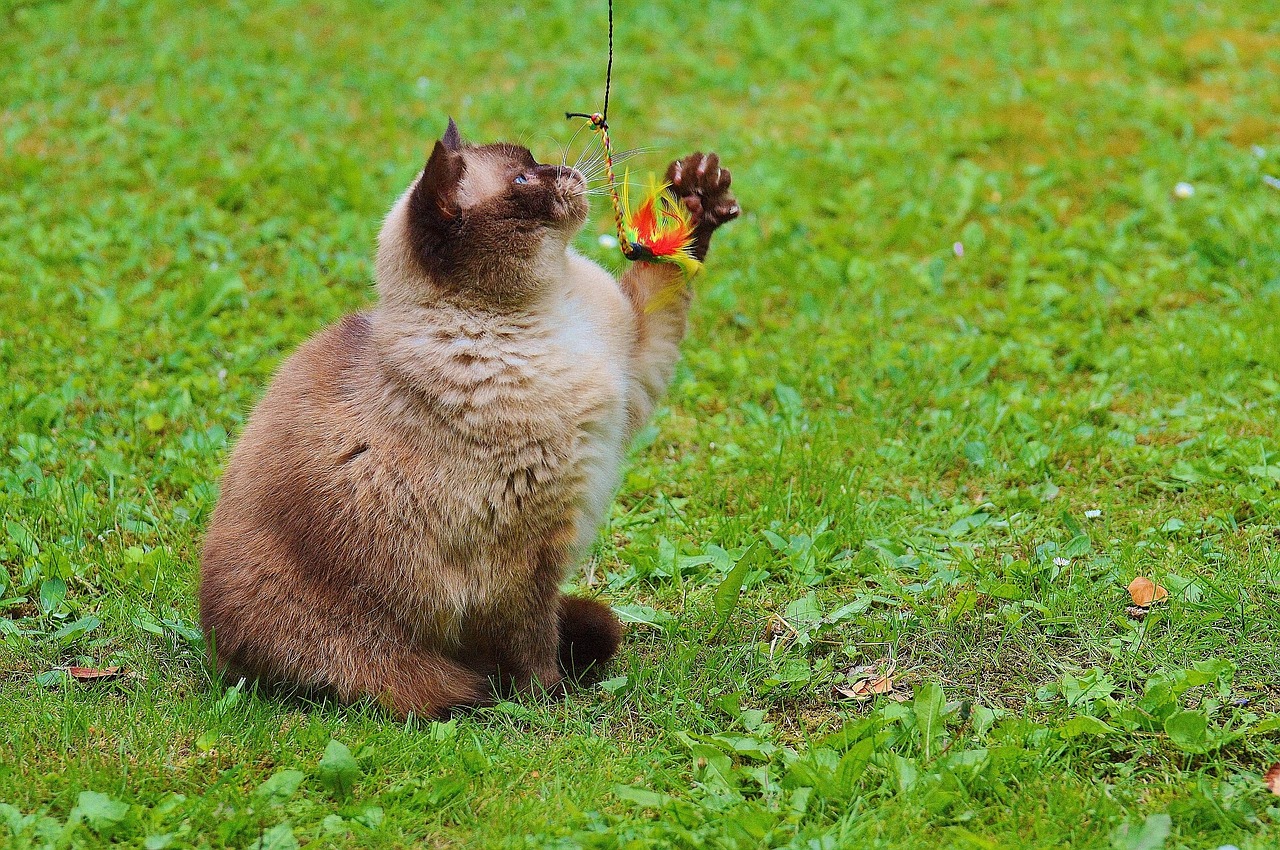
(608,81)
(608,74)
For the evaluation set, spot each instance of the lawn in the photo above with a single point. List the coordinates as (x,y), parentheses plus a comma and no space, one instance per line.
(970,362)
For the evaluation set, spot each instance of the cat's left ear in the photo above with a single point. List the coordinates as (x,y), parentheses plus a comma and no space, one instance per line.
(452,139)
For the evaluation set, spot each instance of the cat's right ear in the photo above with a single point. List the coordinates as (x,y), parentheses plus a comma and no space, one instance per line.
(437,189)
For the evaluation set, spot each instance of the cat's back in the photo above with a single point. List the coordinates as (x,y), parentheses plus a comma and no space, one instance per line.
(282,464)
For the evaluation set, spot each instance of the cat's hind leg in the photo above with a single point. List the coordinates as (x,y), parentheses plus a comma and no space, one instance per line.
(589,635)
(410,680)
(349,658)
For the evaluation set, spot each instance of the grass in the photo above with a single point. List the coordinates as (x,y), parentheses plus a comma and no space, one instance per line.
(958,462)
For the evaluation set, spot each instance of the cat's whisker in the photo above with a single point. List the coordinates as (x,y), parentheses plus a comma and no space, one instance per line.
(623,156)
(589,149)
(598,167)
(617,158)
(589,165)
(594,168)
(564,152)
(630,183)
(545,137)
(584,155)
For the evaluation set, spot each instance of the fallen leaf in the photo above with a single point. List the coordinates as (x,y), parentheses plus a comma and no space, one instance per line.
(870,680)
(1144,592)
(1272,778)
(866,689)
(93,674)
(881,686)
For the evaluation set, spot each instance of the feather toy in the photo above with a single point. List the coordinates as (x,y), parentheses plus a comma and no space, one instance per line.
(660,230)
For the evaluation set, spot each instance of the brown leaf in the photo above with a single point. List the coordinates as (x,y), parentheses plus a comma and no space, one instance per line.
(882,685)
(865,689)
(1272,778)
(868,681)
(1144,592)
(858,691)
(93,674)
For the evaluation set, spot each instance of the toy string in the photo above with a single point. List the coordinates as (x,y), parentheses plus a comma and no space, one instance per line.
(661,230)
(600,124)
(608,79)
(608,71)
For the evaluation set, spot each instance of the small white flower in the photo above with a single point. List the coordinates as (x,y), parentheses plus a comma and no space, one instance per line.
(958,248)
(608,240)
(1093,514)
(1273,182)
(1259,151)
(1061,561)
(1184,190)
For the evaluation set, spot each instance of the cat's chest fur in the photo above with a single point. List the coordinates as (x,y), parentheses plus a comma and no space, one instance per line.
(524,429)
(593,349)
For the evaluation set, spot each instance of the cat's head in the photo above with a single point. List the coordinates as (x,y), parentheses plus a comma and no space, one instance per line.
(486,216)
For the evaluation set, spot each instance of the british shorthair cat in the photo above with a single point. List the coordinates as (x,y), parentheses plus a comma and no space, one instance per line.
(405,501)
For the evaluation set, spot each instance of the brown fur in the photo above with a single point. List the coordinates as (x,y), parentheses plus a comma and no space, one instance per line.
(405,501)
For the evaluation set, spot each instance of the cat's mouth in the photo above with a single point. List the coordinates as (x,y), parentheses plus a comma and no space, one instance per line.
(571,204)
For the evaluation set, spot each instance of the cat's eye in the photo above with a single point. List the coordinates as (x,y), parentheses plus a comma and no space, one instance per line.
(522,179)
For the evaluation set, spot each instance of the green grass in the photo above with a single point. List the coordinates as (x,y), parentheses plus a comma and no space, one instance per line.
(959,462)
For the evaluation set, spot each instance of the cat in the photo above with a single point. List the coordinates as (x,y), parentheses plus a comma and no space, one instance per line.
(406,499)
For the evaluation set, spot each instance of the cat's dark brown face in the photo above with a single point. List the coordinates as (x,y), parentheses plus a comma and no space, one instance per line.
(483,215)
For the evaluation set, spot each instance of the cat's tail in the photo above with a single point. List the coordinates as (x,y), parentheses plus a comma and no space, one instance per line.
(590,634)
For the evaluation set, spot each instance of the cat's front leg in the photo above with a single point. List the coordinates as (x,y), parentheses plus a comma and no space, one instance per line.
(703,185)
(659,293)
(528,661)
(517,641)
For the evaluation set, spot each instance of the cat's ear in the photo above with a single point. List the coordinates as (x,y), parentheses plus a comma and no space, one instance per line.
(437,189)
(452,139)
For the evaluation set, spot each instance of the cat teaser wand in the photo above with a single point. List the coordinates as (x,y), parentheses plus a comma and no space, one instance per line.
(661,229)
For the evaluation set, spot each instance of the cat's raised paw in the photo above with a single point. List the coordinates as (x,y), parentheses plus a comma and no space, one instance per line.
(703,185)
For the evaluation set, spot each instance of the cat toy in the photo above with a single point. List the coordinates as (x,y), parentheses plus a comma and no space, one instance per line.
(660,230)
